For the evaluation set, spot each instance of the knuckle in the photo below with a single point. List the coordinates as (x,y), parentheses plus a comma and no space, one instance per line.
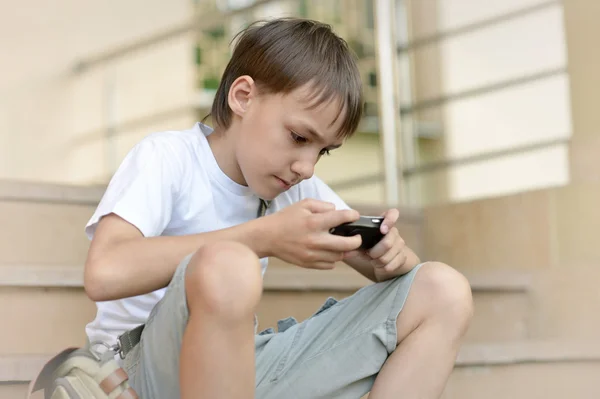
(328,265)
(311,242)
(310,256)
(387,244)
(385,260)
(312,223)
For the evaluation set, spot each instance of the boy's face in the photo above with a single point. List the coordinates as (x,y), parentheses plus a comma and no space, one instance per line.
(280,138)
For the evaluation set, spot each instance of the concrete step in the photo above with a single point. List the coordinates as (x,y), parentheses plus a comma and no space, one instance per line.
(527,370)
(550,380)
(44,223)
(13,390)
(502,298)
(43,320)
(519,370)
(43,232)
(51,298)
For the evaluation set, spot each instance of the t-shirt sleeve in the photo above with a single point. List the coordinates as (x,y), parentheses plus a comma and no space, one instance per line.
(318,189)
(143,190)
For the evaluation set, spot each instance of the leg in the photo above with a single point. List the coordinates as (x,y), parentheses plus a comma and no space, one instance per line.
(430,327)
(223,286)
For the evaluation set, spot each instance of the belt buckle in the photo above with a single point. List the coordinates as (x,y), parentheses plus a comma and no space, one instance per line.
(119,348)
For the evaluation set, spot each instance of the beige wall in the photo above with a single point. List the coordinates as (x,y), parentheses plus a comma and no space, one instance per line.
(505,50)
(52,119)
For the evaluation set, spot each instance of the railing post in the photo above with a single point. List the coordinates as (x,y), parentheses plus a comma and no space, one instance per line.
(386,55)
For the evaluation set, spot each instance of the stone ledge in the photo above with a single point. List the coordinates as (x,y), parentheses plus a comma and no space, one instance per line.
(48,192)
(279,277)
(521,352)
(22,368)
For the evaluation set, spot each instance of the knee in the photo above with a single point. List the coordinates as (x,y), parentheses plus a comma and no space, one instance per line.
(447,293)
(224,279)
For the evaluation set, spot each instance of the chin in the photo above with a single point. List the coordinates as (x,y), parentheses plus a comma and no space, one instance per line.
(263,192)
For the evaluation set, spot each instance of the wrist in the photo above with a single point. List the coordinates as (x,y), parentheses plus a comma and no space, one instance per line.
(262,233)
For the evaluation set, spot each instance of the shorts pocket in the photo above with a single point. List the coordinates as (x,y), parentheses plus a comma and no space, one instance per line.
(326,305)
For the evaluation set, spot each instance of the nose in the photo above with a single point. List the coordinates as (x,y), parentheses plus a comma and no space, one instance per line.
(304,169)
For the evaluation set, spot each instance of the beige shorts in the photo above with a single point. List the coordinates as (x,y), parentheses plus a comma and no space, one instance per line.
(336,353)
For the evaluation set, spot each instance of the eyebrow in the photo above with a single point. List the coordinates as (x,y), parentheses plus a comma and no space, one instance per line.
(314,133)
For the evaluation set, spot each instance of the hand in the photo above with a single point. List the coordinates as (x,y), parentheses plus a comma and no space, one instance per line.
(300,234)
(388,256)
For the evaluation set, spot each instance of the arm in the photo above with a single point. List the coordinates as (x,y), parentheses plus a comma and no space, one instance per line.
(122,262)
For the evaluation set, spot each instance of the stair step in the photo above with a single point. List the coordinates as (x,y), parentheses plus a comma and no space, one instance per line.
(528,351)
(500,316)
(547,380)
(13,390)
(43,320)
(279,277)
(23,191)
(50,296)
(40,275)
(517,370)
(43,233)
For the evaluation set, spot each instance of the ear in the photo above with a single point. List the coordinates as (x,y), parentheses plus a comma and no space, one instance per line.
(240,94)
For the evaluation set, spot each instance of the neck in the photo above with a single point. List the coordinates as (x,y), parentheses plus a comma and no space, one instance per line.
(222,145)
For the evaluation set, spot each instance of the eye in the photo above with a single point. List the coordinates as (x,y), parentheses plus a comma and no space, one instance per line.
(325,151)
(297,138)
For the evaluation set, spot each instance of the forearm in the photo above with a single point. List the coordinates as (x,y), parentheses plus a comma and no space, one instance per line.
(141,265)
(363,265)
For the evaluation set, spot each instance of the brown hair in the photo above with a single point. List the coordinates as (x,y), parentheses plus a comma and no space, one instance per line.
(284,54)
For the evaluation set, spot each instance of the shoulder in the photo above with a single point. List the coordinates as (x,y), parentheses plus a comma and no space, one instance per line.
(177,142)
(175,148)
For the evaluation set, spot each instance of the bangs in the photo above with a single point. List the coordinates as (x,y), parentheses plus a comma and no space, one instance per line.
(349,107)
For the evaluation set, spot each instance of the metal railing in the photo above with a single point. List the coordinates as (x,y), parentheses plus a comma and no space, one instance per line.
(394,173)
(207,23)
(446,164)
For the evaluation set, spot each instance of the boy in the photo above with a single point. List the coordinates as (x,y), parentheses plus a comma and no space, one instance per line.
(181,236)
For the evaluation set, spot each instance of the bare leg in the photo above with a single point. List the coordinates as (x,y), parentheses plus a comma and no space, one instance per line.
(435,317)
(223,287)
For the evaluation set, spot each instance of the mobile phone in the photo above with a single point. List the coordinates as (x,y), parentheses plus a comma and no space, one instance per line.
(369,228)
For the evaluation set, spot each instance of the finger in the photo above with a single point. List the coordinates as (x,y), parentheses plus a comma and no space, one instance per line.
(316,206)
(320,265)
(323,255)
(322,258)
(390,217)
(335,243)
(390,240)
(335,218)
(386,258)
(397,262)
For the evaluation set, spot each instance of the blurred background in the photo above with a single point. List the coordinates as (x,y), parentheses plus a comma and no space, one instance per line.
(480,125)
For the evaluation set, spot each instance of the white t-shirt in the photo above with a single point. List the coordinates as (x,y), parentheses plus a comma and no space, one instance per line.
(170,184)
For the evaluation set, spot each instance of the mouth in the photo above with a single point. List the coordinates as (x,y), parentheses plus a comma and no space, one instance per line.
(284,183)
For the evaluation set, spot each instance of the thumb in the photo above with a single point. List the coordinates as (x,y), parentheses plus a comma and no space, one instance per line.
(316,206)
(390,217)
